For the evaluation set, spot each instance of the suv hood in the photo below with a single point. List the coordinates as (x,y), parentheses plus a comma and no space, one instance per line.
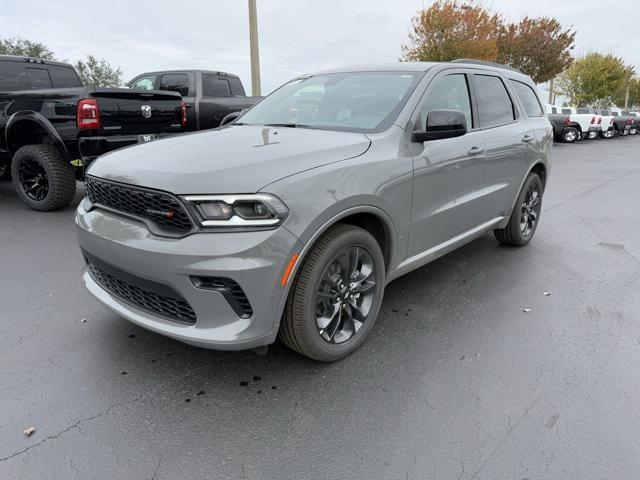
(236,159)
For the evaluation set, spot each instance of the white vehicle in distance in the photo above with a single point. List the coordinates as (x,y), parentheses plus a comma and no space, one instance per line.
(623,123)
(604,120)
(587,122)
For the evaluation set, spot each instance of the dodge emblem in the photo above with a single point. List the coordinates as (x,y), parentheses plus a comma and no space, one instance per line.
(146,111)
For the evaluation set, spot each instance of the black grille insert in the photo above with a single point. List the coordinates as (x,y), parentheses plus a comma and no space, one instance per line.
(159,208)
(230,290)
(164,301)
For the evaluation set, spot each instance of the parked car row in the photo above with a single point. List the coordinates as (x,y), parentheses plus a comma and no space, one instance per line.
(52,127)
(571,124)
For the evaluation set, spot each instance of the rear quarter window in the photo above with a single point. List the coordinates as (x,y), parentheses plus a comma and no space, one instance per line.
(528,98)
(495,105)
(64,77)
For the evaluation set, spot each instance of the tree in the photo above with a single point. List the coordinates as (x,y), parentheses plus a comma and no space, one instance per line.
(451,29)
(594,79)
(26,48)
(539,47)
(96,72)
(634,93)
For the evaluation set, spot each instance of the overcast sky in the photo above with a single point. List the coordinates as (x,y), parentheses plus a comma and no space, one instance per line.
(296,36)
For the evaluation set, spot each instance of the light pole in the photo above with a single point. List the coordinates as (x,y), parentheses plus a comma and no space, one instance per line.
(253,45)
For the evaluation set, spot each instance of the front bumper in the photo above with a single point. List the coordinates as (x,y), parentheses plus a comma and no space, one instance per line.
(255,260)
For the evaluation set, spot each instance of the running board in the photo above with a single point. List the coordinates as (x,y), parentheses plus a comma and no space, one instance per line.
(442,249)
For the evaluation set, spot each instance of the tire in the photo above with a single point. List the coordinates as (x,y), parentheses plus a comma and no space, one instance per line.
(311,298)
(515,233)
(607,134)
(42,178)
(570,135)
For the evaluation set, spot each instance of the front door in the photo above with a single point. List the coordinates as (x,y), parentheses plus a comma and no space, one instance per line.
(447,172)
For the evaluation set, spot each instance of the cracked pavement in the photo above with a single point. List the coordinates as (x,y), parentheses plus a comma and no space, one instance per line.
(455,381)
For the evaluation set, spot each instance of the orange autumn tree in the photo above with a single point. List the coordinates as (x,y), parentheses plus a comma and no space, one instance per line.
(451,29)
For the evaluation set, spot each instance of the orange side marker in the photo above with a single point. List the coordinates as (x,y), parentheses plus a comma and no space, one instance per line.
(287,272)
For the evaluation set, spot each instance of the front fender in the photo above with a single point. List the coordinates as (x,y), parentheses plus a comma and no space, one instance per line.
(41,121)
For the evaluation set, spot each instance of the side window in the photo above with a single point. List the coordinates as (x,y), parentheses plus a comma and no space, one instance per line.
(528,98)
(494,104)
(450,92)
(144,83)
(237,90)
(214,86)
(175,82)
(554,110)
(566,111)
(64,77)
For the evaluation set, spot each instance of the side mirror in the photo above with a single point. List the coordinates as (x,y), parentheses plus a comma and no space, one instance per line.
(442,124)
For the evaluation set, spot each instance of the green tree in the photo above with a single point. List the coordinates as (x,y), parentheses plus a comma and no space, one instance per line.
(451,29)
(96,72)
(23,47)
(634,94)
(594,79)
(539,47)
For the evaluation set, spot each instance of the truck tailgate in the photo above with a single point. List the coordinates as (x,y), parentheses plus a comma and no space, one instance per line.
(125,111)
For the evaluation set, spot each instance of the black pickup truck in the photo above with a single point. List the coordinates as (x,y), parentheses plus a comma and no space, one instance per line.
(51,127)
(209,95)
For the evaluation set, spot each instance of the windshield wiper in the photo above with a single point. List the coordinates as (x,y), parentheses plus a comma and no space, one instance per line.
(287,125)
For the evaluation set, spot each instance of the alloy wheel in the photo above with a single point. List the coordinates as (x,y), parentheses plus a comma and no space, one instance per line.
(530,210)
(33,179)
(345,295)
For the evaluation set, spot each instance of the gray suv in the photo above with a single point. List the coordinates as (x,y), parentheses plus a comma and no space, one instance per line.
(291,221)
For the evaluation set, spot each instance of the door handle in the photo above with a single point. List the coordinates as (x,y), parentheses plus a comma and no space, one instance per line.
(527,138)
(475,151)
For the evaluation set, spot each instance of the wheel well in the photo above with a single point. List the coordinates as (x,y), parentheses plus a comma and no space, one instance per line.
(541,170)
(26,132)
(376,227)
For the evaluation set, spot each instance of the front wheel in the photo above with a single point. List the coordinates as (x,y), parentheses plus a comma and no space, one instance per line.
(42,178)
(570,135)
(336,296)
(525,215)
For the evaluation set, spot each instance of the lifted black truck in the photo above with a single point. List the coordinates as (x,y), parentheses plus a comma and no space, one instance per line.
(209,95)
(51,127)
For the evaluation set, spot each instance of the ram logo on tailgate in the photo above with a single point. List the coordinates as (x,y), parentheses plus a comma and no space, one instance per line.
(146,111)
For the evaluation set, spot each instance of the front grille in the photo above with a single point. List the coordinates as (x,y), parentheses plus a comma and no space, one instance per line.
(161,209)
(230,290)
(171,306)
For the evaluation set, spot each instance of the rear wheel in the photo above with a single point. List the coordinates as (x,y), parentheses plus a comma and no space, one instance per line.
(570,135)
(607,134)
(336,296)
(43,179)
(525,215)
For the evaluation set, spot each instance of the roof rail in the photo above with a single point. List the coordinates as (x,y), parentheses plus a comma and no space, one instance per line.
(486,63)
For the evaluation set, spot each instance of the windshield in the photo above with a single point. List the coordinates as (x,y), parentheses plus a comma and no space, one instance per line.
(364,102)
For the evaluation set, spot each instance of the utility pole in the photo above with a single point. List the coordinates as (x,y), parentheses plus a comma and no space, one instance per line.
(626,97)
(551,92)
(253,45)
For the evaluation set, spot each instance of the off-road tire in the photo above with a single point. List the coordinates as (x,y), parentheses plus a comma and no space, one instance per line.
(298,329)
(60,175)
(512,234)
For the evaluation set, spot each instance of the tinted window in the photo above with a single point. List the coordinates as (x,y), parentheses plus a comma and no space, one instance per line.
(19,76)
(214,86)
(528,98)
(583,110)
(615,114)
(554,110)
(450,92)
(605,112)
(175,82)
(495,105)
(566,111)
(64,77)
(144,83)
(237,90)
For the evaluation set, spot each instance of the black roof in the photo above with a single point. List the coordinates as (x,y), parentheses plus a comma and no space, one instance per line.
(19,58)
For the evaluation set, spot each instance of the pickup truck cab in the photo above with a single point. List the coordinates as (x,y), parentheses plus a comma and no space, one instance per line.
(51,127)
(209,96)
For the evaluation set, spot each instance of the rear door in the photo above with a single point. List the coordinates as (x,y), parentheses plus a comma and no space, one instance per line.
(508,141)
(447,172)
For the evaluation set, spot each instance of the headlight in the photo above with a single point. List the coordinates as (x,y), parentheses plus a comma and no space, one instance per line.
(252,210)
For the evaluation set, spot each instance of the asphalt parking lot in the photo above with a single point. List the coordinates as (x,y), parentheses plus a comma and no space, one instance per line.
(455,382)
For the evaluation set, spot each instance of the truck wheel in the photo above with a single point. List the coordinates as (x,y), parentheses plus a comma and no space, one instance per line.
(525,215)
(607,134)
(570,135)
(336,295)
(43,179)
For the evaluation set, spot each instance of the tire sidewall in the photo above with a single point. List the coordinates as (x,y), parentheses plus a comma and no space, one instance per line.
(570,130)
(316,346)
(531,178)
